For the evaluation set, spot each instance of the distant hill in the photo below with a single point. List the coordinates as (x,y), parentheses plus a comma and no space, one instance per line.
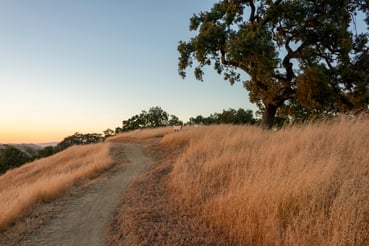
(28,149)
(47,144)
(15,155)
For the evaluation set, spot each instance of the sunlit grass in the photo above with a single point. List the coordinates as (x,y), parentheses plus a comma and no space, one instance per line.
(304,185)
(47,178)
(142,134)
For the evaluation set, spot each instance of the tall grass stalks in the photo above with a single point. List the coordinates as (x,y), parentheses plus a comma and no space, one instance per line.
(141,134)
(46,178)
(302,185)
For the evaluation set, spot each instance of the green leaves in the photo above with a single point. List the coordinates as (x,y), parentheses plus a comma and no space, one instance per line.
(293,51)
(155,117)
(79,139)
(11,157)
(230,116)
(313,88)
(185,60)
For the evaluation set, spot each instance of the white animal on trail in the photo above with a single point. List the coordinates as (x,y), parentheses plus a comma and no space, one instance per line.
(177,128)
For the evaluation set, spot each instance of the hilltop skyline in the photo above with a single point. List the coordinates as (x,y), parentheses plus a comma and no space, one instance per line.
(87,65)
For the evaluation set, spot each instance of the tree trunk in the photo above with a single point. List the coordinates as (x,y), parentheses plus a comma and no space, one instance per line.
(268,116)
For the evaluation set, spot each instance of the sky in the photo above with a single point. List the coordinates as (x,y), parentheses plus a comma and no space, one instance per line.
(85,65)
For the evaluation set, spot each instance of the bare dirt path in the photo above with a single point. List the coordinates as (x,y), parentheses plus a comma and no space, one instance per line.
(82,218)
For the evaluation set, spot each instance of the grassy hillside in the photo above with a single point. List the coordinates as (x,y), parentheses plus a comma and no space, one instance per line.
(141,134)
(225,184)
(304,185)
(28,149)
(48,177)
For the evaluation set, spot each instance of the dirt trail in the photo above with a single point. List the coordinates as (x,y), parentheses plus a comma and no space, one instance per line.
(82,219)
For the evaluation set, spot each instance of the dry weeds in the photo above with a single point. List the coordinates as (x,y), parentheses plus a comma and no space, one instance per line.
(230,185)
(149,215)
(47,178)
(303,185)
(141,134)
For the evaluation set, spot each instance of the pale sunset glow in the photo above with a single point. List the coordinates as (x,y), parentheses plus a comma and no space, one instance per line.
(84,66)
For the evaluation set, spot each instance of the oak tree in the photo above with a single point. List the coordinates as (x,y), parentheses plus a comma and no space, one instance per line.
(155,117)
(307,56)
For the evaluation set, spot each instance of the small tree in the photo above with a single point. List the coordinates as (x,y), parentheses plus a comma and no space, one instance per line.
(226,117)
(155,117)
(79,139)
(230,116)
(212,119)
(244,117)
(118,130)
(174,121)
(108,133)
(47,151)
(11,157)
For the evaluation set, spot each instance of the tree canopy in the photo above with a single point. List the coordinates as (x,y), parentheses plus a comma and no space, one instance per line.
(79,139)
(230,116)
(11,157)
(155,117)
(301,57)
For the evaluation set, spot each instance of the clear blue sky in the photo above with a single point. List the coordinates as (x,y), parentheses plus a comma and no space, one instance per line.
(86,65)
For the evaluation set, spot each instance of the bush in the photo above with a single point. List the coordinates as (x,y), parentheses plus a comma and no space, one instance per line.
(11,157)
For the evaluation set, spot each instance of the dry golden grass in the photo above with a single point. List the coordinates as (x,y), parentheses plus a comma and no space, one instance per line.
(47,178)
(141,134)
(303,185)
(148,215)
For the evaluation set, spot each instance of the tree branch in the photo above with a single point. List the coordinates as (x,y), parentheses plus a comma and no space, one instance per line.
(269,17)
(285,95)
(276,3)
(260,84)
(287,63)
(231,63)
(253,9)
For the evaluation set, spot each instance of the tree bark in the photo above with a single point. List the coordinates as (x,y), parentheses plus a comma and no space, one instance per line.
(268,116)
